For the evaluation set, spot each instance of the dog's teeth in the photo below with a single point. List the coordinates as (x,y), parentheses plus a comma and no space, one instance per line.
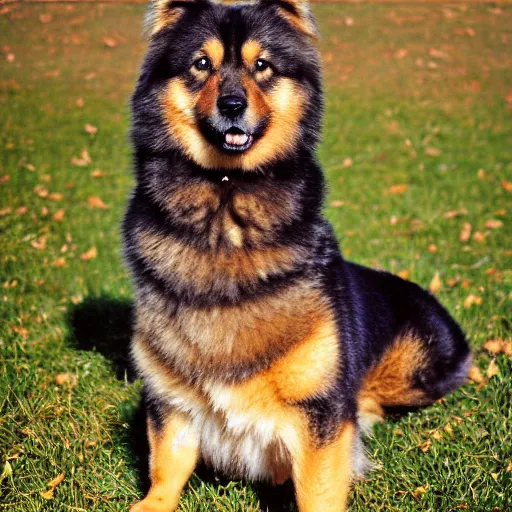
(237,139)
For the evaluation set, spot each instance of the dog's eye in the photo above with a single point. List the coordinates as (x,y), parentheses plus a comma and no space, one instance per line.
(261,65)
(203,64)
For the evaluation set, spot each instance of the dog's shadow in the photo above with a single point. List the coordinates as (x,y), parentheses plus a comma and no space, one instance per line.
(104,324)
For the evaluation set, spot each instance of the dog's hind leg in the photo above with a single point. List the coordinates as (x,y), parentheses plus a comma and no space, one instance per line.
(174,451)
(411,373)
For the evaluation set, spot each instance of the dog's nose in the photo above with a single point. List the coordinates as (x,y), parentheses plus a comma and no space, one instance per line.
(231,105)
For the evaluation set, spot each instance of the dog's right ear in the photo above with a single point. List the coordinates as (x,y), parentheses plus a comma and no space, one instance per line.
(165,13)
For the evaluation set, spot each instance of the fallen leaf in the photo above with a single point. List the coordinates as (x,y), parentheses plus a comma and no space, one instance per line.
(492,369)
(398,189)
(432,248)
(400,54)
(90,129)
(436,283)
(44,211)
(432,151)
(5,211)
(39,243)
(97,173)
(336,203)
(347,162)
(45,17)
(437,435)
(448,428)
(426,445)
(59,262)
(507,185)
(90,254)
(452,282)
(493,224)
(507,348)
(80,102)
(472,299)
(52,484)
(21,210)
(96,202)
(10,58)
(481,174)
(455,213)
(493,346)
(404,274)
(83,160)
(65,378)
(419,491)
(41,191)
(20,330)
(56,196)
(5,178)
(501,212)
(465,234)
(479,237)
(475,374)
(58,215)
(110,42)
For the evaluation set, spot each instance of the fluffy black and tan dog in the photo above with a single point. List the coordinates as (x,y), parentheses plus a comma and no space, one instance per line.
(263,352)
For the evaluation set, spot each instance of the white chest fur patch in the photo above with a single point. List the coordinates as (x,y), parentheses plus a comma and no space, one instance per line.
(235,443)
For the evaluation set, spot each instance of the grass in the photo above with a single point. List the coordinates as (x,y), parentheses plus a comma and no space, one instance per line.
(416,96)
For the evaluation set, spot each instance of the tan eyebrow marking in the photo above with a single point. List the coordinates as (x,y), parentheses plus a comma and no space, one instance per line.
(215,50)
(251,50)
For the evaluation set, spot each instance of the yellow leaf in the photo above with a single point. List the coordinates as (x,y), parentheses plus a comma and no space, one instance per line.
(507,348)
(90,129)
(90,254)
(52,484)
(404,274)
(96,202)
(432,151)
(479,237)
(493,224)
(83,160)
(59,262)
(419,491)
(466,232)
(472,299)
(40,243)
(493,346)
(455,213)
(437,435)
(56,196)
(41,191)
(65,378)
(97,173)
(448,429)
(495,476)
(436,284)
(426,445)
(398,189)
(492,369)
(475,375)
(58,215)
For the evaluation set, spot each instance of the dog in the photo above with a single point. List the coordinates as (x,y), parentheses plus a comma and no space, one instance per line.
(263,353)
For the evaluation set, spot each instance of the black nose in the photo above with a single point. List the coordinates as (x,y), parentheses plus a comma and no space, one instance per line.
(231,105)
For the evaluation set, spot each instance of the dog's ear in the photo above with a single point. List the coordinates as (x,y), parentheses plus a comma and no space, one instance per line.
(165,13)
(298,13)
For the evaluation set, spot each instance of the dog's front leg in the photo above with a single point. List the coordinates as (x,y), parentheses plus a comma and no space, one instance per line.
(322,472)
(174,451)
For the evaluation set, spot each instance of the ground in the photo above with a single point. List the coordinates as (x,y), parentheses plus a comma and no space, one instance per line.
(417,148)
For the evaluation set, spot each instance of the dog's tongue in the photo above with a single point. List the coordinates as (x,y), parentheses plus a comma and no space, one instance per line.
(237,139)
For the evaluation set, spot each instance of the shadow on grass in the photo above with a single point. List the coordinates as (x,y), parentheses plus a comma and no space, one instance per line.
(105,325)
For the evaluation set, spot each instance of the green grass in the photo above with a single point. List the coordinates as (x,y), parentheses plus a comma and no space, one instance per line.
(416,95)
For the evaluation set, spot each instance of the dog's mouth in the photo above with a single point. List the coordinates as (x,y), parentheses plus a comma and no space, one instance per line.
(233,137)
(236,140)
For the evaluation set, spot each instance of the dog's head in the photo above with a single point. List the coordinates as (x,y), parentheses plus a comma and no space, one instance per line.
(230,86)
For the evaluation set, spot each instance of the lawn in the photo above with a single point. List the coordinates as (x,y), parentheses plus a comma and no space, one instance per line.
(417,148)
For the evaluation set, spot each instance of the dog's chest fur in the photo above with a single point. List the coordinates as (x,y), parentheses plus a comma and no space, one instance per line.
(251,427)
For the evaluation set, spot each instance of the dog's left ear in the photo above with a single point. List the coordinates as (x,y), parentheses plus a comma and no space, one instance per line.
(165,13)
(298,13)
